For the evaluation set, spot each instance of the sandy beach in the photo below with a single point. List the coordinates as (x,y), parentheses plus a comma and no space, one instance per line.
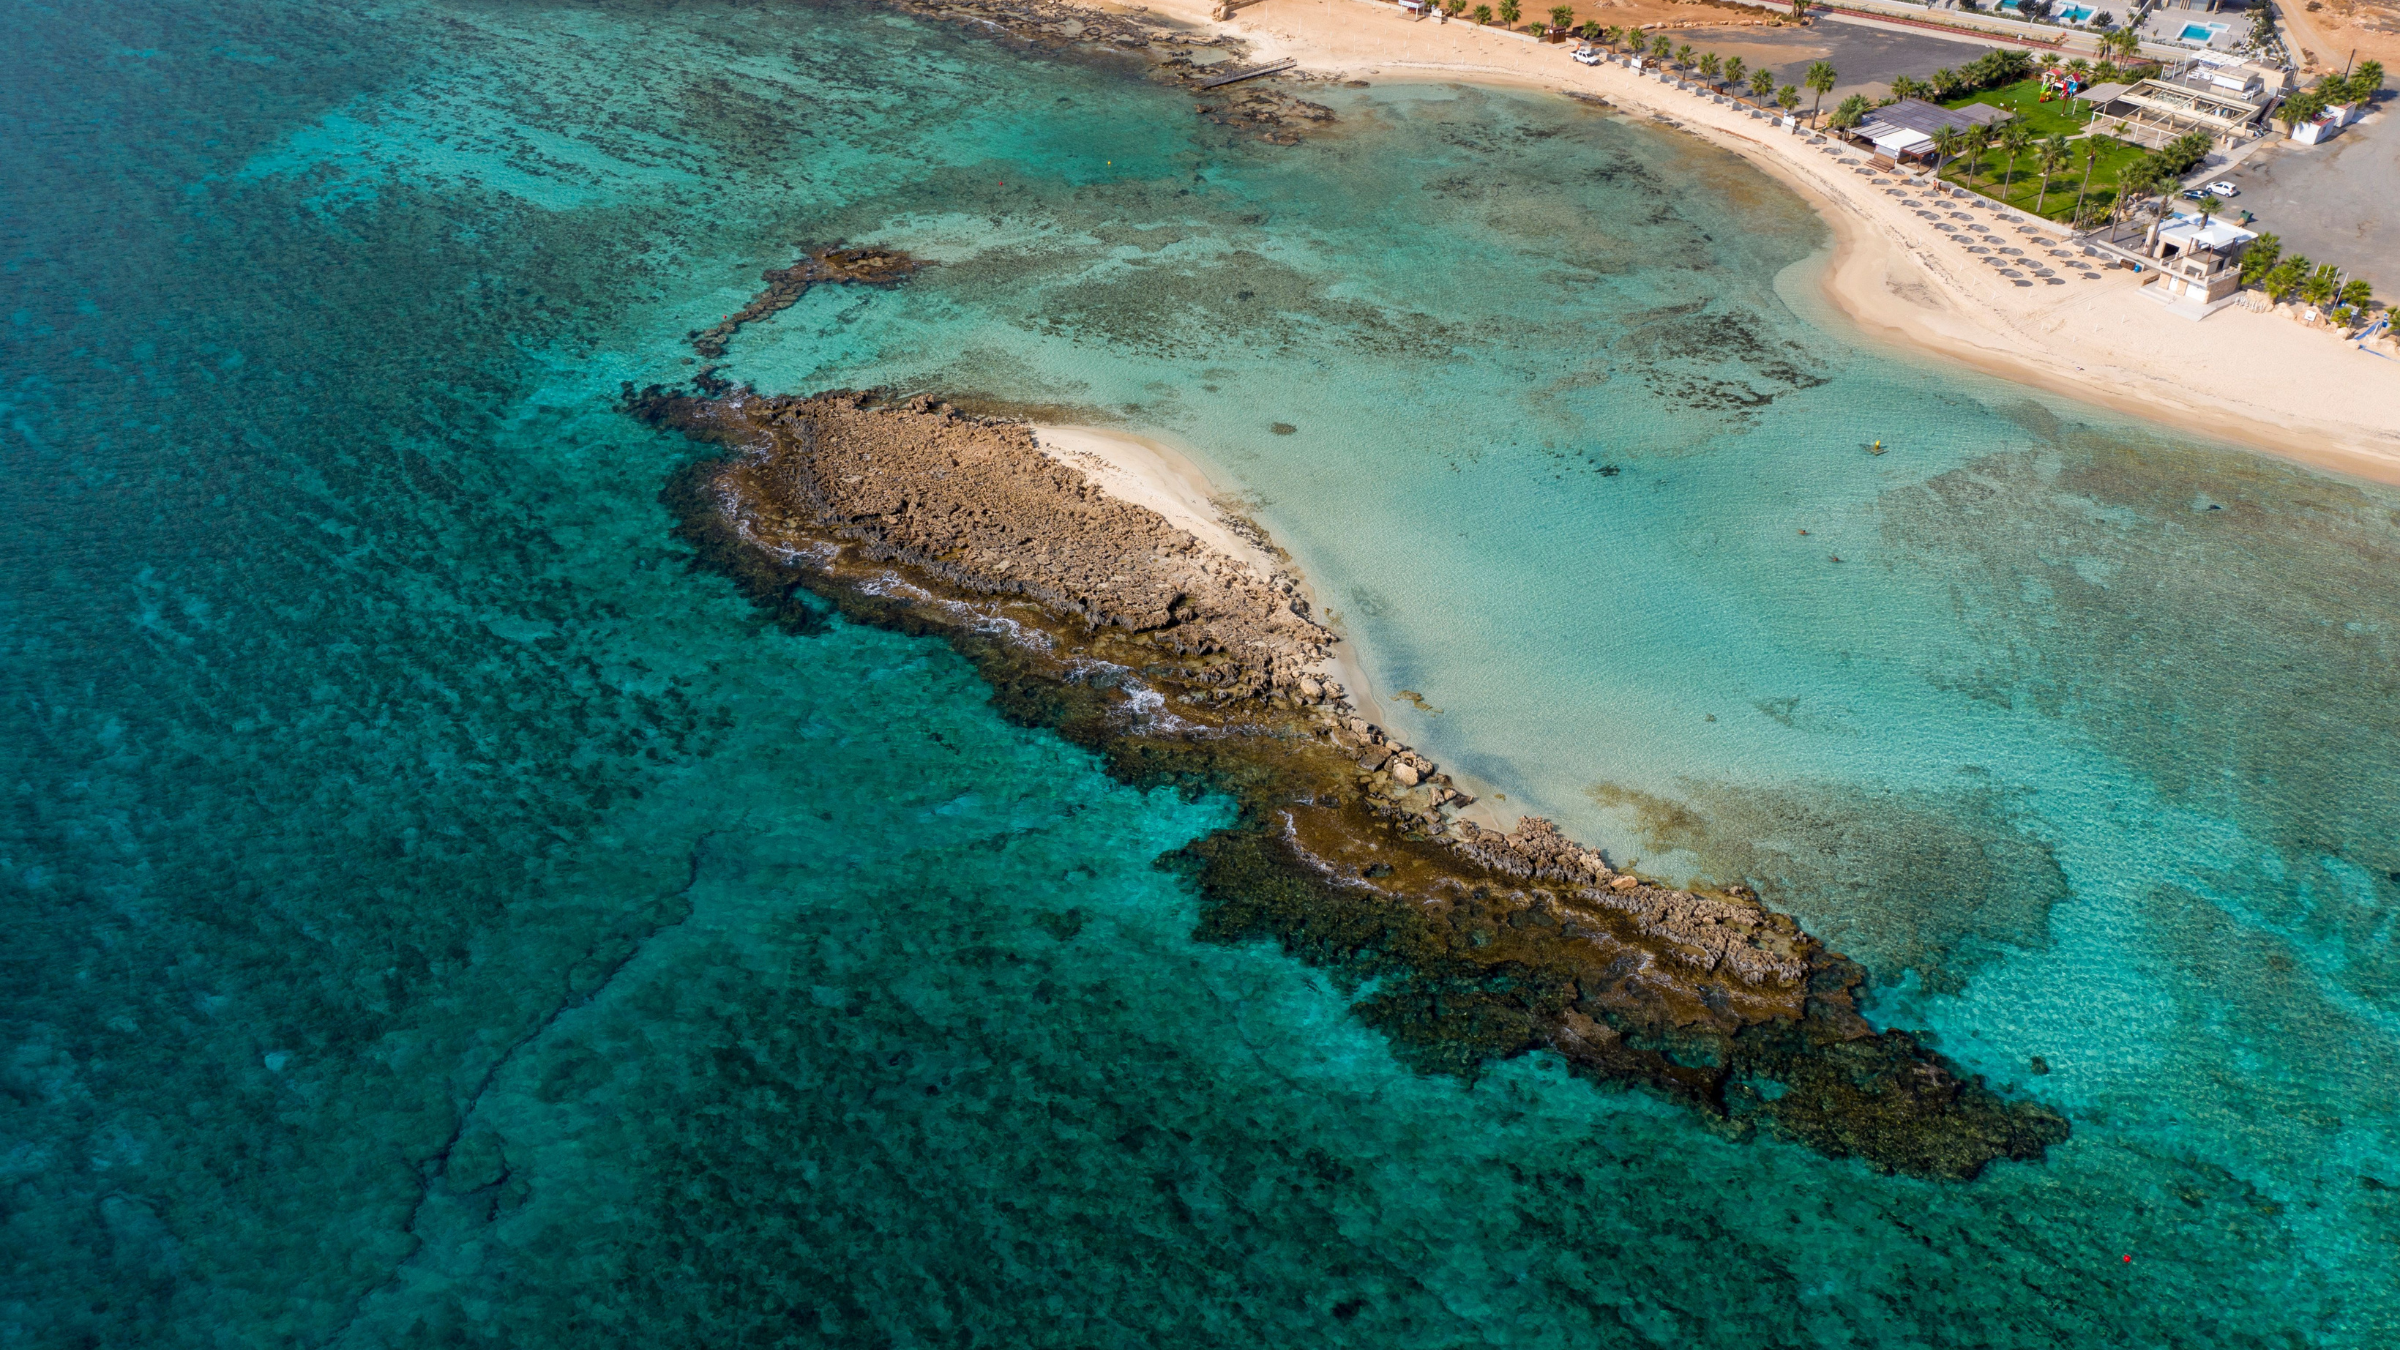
(2258,380)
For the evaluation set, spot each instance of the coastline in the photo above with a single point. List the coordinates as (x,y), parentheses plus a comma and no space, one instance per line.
(2255,380)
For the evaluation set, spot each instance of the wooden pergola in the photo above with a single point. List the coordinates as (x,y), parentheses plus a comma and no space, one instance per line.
(2154,112)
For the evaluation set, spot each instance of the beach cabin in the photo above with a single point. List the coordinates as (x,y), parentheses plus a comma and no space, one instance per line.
(2198,261)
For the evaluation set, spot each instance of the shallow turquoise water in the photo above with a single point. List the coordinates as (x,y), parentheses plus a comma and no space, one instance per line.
(440,915)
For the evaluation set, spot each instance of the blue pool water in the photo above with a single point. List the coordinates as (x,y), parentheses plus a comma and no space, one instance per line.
(2075,13)
(441,915)
(2196,32)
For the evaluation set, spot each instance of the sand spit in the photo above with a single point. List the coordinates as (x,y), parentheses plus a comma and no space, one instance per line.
(1183,664)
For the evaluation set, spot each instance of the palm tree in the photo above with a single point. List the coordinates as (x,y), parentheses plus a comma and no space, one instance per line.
(1734,66)
(1561,15)
(1509,12)
(2284,278)
(1946,142)
(1762,83)
(1710,66)
(1944,80)
(2209,206)
(2091,156)
(2355,292)
(1788,97)
(1820,78)
(1634,41)
(1661,47)
(1483,14)
(2013,140)
(1979,139)
(1683,56)
(2260,258)
(2052,157)
(2322,286)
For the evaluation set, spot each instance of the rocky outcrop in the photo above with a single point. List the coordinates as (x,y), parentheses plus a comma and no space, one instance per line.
(1266,107)
(1182,666)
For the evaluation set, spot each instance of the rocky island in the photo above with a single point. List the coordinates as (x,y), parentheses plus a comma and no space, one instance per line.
(1181,665)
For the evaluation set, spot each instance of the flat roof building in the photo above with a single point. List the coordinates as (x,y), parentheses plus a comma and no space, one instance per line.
(1907,126)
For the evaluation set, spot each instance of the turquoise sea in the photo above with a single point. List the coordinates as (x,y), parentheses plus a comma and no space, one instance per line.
(439,914)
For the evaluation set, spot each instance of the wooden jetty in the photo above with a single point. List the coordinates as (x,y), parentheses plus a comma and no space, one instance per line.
(1240,75)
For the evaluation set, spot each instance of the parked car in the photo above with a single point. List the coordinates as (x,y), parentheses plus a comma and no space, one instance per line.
(2224,189)
(2194,194)
(1590,56)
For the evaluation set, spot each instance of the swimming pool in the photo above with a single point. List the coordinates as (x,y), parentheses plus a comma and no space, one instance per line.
(2075,14)
(2201,32)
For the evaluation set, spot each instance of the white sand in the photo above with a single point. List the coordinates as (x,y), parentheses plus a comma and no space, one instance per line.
(1156,475)
(1150,473)
(2254,379)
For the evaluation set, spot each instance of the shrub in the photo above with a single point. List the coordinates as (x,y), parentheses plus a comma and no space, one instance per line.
(1483,14)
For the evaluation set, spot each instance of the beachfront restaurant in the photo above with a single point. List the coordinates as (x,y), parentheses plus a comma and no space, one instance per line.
(1905,129)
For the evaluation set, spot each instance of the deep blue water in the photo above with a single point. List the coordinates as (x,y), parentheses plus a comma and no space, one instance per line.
(438,914)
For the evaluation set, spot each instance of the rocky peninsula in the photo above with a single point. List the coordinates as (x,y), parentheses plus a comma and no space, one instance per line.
(1180,665)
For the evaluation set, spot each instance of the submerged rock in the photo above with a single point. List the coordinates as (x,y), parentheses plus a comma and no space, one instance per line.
(1179,666)
(785,286)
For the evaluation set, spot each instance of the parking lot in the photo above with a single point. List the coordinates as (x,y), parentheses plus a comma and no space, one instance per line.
(2337,202)
(1865,58)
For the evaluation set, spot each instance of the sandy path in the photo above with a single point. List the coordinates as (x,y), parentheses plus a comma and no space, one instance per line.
(2255,379)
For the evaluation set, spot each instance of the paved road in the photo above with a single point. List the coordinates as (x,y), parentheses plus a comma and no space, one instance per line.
(2338,202)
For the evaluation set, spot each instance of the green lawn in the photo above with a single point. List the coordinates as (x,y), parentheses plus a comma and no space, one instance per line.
(2026,183)
(2058,117)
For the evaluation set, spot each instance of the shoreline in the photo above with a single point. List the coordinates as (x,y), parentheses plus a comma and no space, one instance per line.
(1151,473)
(2257,381)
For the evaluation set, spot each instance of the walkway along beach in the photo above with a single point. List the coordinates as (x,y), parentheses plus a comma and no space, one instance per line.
(2255,379)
